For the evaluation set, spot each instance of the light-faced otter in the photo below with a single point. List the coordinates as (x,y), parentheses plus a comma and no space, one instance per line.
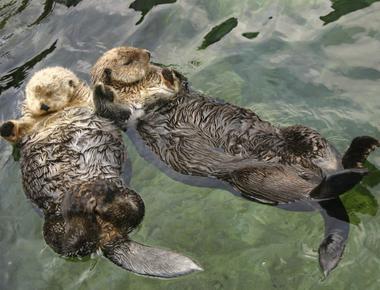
(71,165)
(197,135)
(48,91)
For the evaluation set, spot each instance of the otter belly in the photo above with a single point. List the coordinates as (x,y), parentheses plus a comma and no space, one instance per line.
(186,132)
(70,147)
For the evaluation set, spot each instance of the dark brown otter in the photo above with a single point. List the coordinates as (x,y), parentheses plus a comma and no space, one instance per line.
(197,135)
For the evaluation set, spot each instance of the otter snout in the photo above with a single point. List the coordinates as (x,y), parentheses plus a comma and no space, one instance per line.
(44,107)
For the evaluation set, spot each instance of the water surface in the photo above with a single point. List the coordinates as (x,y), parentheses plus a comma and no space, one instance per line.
(312,62)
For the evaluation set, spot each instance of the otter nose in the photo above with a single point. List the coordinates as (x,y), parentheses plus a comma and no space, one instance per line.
(44,107)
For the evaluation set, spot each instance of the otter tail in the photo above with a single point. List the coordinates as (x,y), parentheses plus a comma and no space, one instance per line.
(358,151)
(277,183)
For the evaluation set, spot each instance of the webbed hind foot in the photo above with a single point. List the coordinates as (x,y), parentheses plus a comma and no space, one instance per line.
(359,151)
(330,252)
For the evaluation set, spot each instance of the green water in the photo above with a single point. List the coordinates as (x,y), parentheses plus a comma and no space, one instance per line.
(314,62)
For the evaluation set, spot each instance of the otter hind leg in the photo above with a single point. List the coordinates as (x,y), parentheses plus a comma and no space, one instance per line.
(359,151)
(149,261)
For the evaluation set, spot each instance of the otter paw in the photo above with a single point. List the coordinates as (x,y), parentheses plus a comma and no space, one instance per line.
(7,129)
(107,75)
(104,92)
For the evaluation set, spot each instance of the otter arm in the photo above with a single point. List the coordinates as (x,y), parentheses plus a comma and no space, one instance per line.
(149,261)
(103,100)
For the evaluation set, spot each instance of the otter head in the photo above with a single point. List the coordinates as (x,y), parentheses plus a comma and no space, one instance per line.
(50,90)
(128,65)
(128,70)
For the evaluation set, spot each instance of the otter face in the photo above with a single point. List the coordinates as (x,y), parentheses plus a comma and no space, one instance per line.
(128,64)
(50,90)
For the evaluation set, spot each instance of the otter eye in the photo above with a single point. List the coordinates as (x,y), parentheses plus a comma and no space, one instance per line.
(128,62)
(71,83)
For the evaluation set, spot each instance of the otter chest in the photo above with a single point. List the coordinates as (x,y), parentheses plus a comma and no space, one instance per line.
(76,146)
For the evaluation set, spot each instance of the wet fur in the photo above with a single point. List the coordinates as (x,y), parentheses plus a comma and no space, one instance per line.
(71,165)
(196,135)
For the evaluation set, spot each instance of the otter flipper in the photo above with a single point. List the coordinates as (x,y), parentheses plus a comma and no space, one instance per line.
(338,183)
(358,151)
(149,261)
(337,227)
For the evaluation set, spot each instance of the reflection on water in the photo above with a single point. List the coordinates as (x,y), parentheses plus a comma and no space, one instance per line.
(343,7)
(251,35)
(218,32)
(68,3)
(144,6)
(17,75)
(296,71)
(11,9)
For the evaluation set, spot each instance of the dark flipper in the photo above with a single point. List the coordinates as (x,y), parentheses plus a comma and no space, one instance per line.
(149,261)
(338,183)
(358,151)
(336,233)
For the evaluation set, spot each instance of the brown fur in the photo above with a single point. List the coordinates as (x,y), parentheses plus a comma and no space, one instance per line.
(136,81)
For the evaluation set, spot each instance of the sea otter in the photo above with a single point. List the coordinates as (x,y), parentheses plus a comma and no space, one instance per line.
(198,135)
(71,165)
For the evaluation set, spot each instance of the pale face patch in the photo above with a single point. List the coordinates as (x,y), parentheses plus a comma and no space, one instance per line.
(50,90)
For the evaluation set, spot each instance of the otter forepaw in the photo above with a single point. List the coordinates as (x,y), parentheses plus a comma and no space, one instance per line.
(107,75)
(103,92)
(9,131)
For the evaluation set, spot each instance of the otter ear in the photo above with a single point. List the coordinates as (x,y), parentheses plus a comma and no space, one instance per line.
(149,261)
